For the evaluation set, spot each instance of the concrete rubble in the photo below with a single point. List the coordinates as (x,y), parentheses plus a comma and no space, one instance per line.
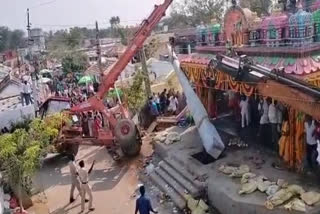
(167,137)
(293,196)
(196,206)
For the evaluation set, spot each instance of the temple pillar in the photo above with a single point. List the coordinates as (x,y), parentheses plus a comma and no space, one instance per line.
(278,37)
(212,102)
(189,49)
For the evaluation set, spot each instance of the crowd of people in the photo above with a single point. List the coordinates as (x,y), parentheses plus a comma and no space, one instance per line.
(68,87)
(272,120)
(167,103)
(91,123)
(77,93)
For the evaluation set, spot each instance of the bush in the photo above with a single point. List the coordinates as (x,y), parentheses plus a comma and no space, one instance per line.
(22,150)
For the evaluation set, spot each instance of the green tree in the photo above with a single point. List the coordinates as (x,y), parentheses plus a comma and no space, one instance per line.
(65,46)
(20,158)
(21,151)
(114,21)
(16,39)
(261,7)
(115,25)
(193,12)
(11,39)
(152,47)
(136,95)
(74,38)
(74,62)
(176,20)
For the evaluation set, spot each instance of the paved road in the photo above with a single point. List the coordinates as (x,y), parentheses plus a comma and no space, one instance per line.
(113,184)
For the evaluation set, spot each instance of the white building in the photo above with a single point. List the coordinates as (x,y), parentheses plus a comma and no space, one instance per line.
(11,109)
(37,40)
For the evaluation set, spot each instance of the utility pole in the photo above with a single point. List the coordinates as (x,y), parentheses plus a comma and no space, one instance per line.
(33,75)
(98,49)
(29,35)
(145,72)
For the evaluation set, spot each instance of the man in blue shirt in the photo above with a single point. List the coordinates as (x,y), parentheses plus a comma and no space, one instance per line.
(143,204)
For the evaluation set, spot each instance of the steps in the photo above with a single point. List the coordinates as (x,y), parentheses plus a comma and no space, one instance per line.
(174,181)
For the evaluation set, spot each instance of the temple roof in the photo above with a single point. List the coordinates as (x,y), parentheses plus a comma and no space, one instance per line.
(301,18)
(315,5)
(296,66)
(201,59)
(278,21)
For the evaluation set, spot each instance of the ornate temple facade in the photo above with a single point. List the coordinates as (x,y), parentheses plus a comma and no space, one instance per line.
(289,37)
(285,44)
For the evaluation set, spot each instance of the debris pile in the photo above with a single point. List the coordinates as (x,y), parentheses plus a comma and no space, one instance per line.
(237,142)
(167,137)
(293,197)
(196,206)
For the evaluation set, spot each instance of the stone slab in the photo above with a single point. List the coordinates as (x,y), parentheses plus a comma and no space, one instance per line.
(163,186)
(222,190)
(180,178)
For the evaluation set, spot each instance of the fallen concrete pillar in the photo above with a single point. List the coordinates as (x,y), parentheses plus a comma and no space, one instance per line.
(211,139)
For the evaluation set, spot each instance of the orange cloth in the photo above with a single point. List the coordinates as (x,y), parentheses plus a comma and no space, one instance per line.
(284,141)
(291,143)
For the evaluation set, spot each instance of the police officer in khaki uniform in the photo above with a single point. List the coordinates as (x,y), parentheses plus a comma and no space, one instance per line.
(74,177)
(84,183)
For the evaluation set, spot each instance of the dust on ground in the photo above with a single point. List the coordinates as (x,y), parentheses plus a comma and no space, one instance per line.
(114,184)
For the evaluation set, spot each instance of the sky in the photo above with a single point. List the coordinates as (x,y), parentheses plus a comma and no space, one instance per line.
(57,14)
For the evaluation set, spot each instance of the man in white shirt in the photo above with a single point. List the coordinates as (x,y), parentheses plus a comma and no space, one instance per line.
(264,110)
(311,141)
(85,188)
(244,106)
(74,177)
(90,123)
(173,104)
(273,120)
(26,92)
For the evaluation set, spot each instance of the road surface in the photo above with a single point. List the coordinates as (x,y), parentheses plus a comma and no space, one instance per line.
(114,184)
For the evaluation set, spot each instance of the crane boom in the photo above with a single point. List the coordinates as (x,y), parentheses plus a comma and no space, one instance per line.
(140,37)
(110,78)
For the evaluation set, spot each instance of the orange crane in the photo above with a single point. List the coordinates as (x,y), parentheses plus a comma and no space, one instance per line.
(121,129)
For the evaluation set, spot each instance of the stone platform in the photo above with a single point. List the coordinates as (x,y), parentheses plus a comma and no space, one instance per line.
(222,190)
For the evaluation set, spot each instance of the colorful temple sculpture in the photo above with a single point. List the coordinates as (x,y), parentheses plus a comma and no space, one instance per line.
(286,43)
(283,39)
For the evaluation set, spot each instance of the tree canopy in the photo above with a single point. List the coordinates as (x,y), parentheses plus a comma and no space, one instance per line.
(11,39)
(261,7)
(136,95)
(65,46)
(22,150)
(114,21)
(190,13)
(193,12)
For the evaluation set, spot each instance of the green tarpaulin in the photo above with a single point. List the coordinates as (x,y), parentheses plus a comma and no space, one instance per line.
(85,80)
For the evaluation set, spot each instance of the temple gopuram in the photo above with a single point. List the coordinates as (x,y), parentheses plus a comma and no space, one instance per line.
(284,46)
